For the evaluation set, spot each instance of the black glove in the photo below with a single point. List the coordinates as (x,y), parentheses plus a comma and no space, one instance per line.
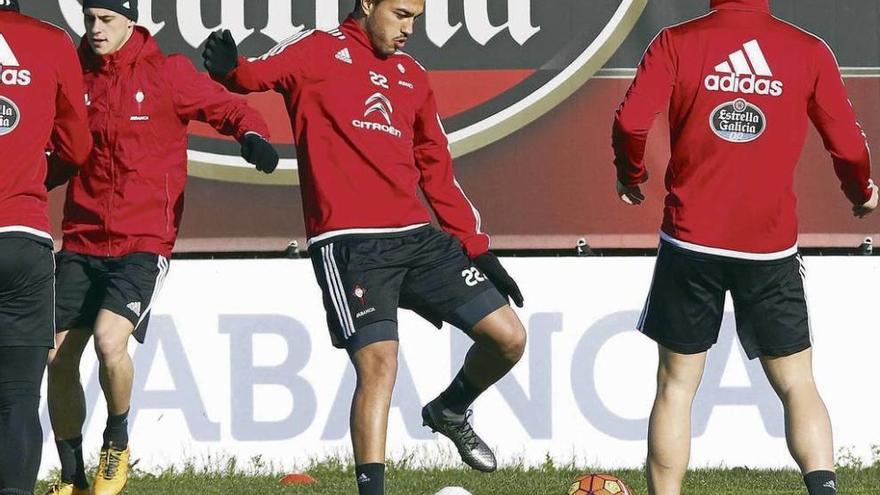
(221,53)
(259,152)
(490,266)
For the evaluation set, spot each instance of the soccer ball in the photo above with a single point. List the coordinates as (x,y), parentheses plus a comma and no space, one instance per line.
(598,484)
(453,490)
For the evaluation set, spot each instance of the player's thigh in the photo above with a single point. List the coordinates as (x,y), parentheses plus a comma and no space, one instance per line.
(78,291)
(772,317)
(26,293)
(443,283)
(360,286)
(133,283)
(685,305)
(682,372)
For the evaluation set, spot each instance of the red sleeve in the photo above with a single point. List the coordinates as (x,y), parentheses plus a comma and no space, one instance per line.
(457,215)
(834,118)
(71,138)
(279,69)
(197,97)
(648,95)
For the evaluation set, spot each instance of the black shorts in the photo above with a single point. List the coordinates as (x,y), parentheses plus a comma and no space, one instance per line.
(126,286)
(686,303)
(365,280)
(27,296)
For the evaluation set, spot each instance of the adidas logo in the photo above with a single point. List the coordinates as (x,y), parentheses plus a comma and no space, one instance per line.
(344,55)
(135,308)
(747,72)
(127,5)
(363,478)
(830,484)
(11,76)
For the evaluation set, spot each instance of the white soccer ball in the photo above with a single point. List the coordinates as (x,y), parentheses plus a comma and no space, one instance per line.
(453,490)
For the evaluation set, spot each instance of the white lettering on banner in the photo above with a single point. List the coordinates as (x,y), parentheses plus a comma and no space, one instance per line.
(229,372)
(280,24)
(476,13)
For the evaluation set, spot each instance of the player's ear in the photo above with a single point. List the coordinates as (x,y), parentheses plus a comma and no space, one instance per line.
(367,6)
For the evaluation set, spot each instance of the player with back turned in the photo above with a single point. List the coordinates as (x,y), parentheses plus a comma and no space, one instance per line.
(41,104)
(741,86)
(368,137)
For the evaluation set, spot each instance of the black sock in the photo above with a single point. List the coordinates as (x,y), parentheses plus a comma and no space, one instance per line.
(821,483)
(460,394)
(370,479)
(73,469)
(116,432)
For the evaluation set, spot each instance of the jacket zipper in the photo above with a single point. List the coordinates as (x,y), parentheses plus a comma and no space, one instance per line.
(167,206)
(114,141)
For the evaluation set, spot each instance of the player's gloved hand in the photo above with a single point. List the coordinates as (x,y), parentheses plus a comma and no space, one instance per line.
(221,53)
(864,210)
(259,152)
(631,195)
(489,264)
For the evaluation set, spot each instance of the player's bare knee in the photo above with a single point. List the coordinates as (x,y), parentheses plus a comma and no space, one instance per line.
(514,345)
(63,364)
(110,348)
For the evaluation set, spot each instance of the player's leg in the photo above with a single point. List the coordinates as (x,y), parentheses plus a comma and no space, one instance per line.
(132,284)
(807,425)
(360,281)
(21,436)
(376,368)
(26,334)
(67,409)
(773,324)
(683,315)
(444,285)
(77,294)
(669,428)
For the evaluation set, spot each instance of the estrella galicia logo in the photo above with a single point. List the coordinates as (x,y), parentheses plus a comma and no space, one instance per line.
(737,121)
(9,115)
(495,65)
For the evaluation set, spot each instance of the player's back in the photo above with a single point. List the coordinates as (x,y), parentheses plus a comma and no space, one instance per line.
(33,58)
(743,93)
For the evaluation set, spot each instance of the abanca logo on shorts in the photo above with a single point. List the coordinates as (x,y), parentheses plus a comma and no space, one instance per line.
(747,72)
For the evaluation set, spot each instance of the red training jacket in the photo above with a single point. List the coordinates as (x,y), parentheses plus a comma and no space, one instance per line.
(367,136)
(129,197)
(740,85)
(41,106)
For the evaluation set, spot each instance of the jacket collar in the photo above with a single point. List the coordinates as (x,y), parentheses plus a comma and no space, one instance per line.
(140,45)
(750,5)
(352,29)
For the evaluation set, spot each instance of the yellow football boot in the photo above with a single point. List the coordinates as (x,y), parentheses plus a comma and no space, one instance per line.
(112,475)
(62,488)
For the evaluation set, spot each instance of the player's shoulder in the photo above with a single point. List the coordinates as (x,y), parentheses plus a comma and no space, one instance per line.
(796,34)
(45,30)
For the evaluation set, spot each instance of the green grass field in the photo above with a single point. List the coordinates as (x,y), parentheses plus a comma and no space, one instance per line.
(335,478)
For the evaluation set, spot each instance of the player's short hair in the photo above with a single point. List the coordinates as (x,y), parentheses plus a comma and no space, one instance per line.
(357,4)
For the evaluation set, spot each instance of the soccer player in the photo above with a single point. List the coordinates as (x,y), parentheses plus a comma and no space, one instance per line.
(121,219)
(368,138)
(741,86)
(41,103)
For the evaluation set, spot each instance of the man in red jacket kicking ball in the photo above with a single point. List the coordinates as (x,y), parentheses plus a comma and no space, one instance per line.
(368,137)
(121,219)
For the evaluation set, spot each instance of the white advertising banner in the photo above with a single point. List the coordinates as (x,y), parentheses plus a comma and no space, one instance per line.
(238,362)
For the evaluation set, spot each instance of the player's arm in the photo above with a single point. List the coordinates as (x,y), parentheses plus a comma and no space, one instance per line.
(647,96)
(71,139)
(277,70)
(834,118)
(455,212)
(197,97)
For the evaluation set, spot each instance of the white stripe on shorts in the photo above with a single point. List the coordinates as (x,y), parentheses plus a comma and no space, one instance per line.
(162,265)
(337,293)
